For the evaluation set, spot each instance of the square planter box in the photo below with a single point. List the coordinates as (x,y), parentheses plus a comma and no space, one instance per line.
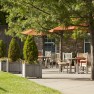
(31,70)
(15,67)
(3,65)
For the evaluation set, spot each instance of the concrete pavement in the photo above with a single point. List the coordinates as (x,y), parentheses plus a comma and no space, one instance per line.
(66,83)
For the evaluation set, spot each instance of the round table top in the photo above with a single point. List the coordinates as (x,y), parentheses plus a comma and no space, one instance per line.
(44,56)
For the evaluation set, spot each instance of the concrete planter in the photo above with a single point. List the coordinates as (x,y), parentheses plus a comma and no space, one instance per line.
(15,67)
(3,65)
(31,70)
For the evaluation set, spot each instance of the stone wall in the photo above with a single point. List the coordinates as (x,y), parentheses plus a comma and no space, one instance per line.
(70,45)
(39,43)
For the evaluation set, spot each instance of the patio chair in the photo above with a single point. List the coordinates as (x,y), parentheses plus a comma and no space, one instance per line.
(62,65)
(59,63)
(57,58)
(82,62)
(52,60)
(67,57)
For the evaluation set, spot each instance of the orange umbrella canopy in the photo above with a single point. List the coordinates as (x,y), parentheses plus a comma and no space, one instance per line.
(59,28)
(32,32)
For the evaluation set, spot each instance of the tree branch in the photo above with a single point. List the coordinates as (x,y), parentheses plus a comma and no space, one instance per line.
(78,14)
(42,26)
(80,25)
(38,9)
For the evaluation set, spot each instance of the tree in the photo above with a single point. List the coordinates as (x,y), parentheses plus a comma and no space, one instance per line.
(14,50)
(21,17)
(45,14)
(30,50)
(2,49)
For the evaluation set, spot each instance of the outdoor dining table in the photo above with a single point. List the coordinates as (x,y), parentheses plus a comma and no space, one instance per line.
(44,57)
(76,63)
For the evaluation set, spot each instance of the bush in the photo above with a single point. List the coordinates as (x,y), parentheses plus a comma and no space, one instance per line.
(30,51)
(14,50)
(2,49)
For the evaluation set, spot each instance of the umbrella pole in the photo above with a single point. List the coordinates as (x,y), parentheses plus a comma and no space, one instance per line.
(43,38)
(60,50)
(61,44)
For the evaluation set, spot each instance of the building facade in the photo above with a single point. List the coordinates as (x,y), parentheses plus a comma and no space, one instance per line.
(46,45)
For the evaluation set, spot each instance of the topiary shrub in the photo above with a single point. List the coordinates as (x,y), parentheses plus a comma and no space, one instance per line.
(2,49)
(30,51)
(14,50)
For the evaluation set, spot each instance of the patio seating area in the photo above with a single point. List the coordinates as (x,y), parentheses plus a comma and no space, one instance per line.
(79,64)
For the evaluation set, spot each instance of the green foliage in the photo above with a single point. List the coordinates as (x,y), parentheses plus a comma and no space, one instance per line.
(24,14)
(14,50)
(2,49)
(43,14)
(78,34)
(30,50)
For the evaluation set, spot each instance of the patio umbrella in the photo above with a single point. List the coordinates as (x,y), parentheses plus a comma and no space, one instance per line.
(33,32)
(60,30)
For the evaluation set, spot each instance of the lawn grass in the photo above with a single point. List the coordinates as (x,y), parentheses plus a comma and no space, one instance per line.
(12,84)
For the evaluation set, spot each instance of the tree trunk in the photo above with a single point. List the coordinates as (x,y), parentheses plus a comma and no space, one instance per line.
(76,48)
(43,46)
(92,56)
(91,30)
(92,44)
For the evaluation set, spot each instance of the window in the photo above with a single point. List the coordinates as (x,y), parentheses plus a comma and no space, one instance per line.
(49,47)
(49,44)
(87,45)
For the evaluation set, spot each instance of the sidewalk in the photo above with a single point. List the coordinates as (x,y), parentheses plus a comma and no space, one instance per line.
(66,83)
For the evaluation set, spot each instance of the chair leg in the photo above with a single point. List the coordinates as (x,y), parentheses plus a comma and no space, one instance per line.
(70,68)
(86,69)
(83,69)
(67,68)
(60,68)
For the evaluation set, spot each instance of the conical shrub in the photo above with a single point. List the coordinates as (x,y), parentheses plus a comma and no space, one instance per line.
(30,51)
(14,50)
(2,49)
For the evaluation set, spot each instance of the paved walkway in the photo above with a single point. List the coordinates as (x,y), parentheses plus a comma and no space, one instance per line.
(66,83)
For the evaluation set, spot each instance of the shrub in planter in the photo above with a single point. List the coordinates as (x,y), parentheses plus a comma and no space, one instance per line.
(30,52)
(2,55)
(14,50)
(2,49)
(14,56)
